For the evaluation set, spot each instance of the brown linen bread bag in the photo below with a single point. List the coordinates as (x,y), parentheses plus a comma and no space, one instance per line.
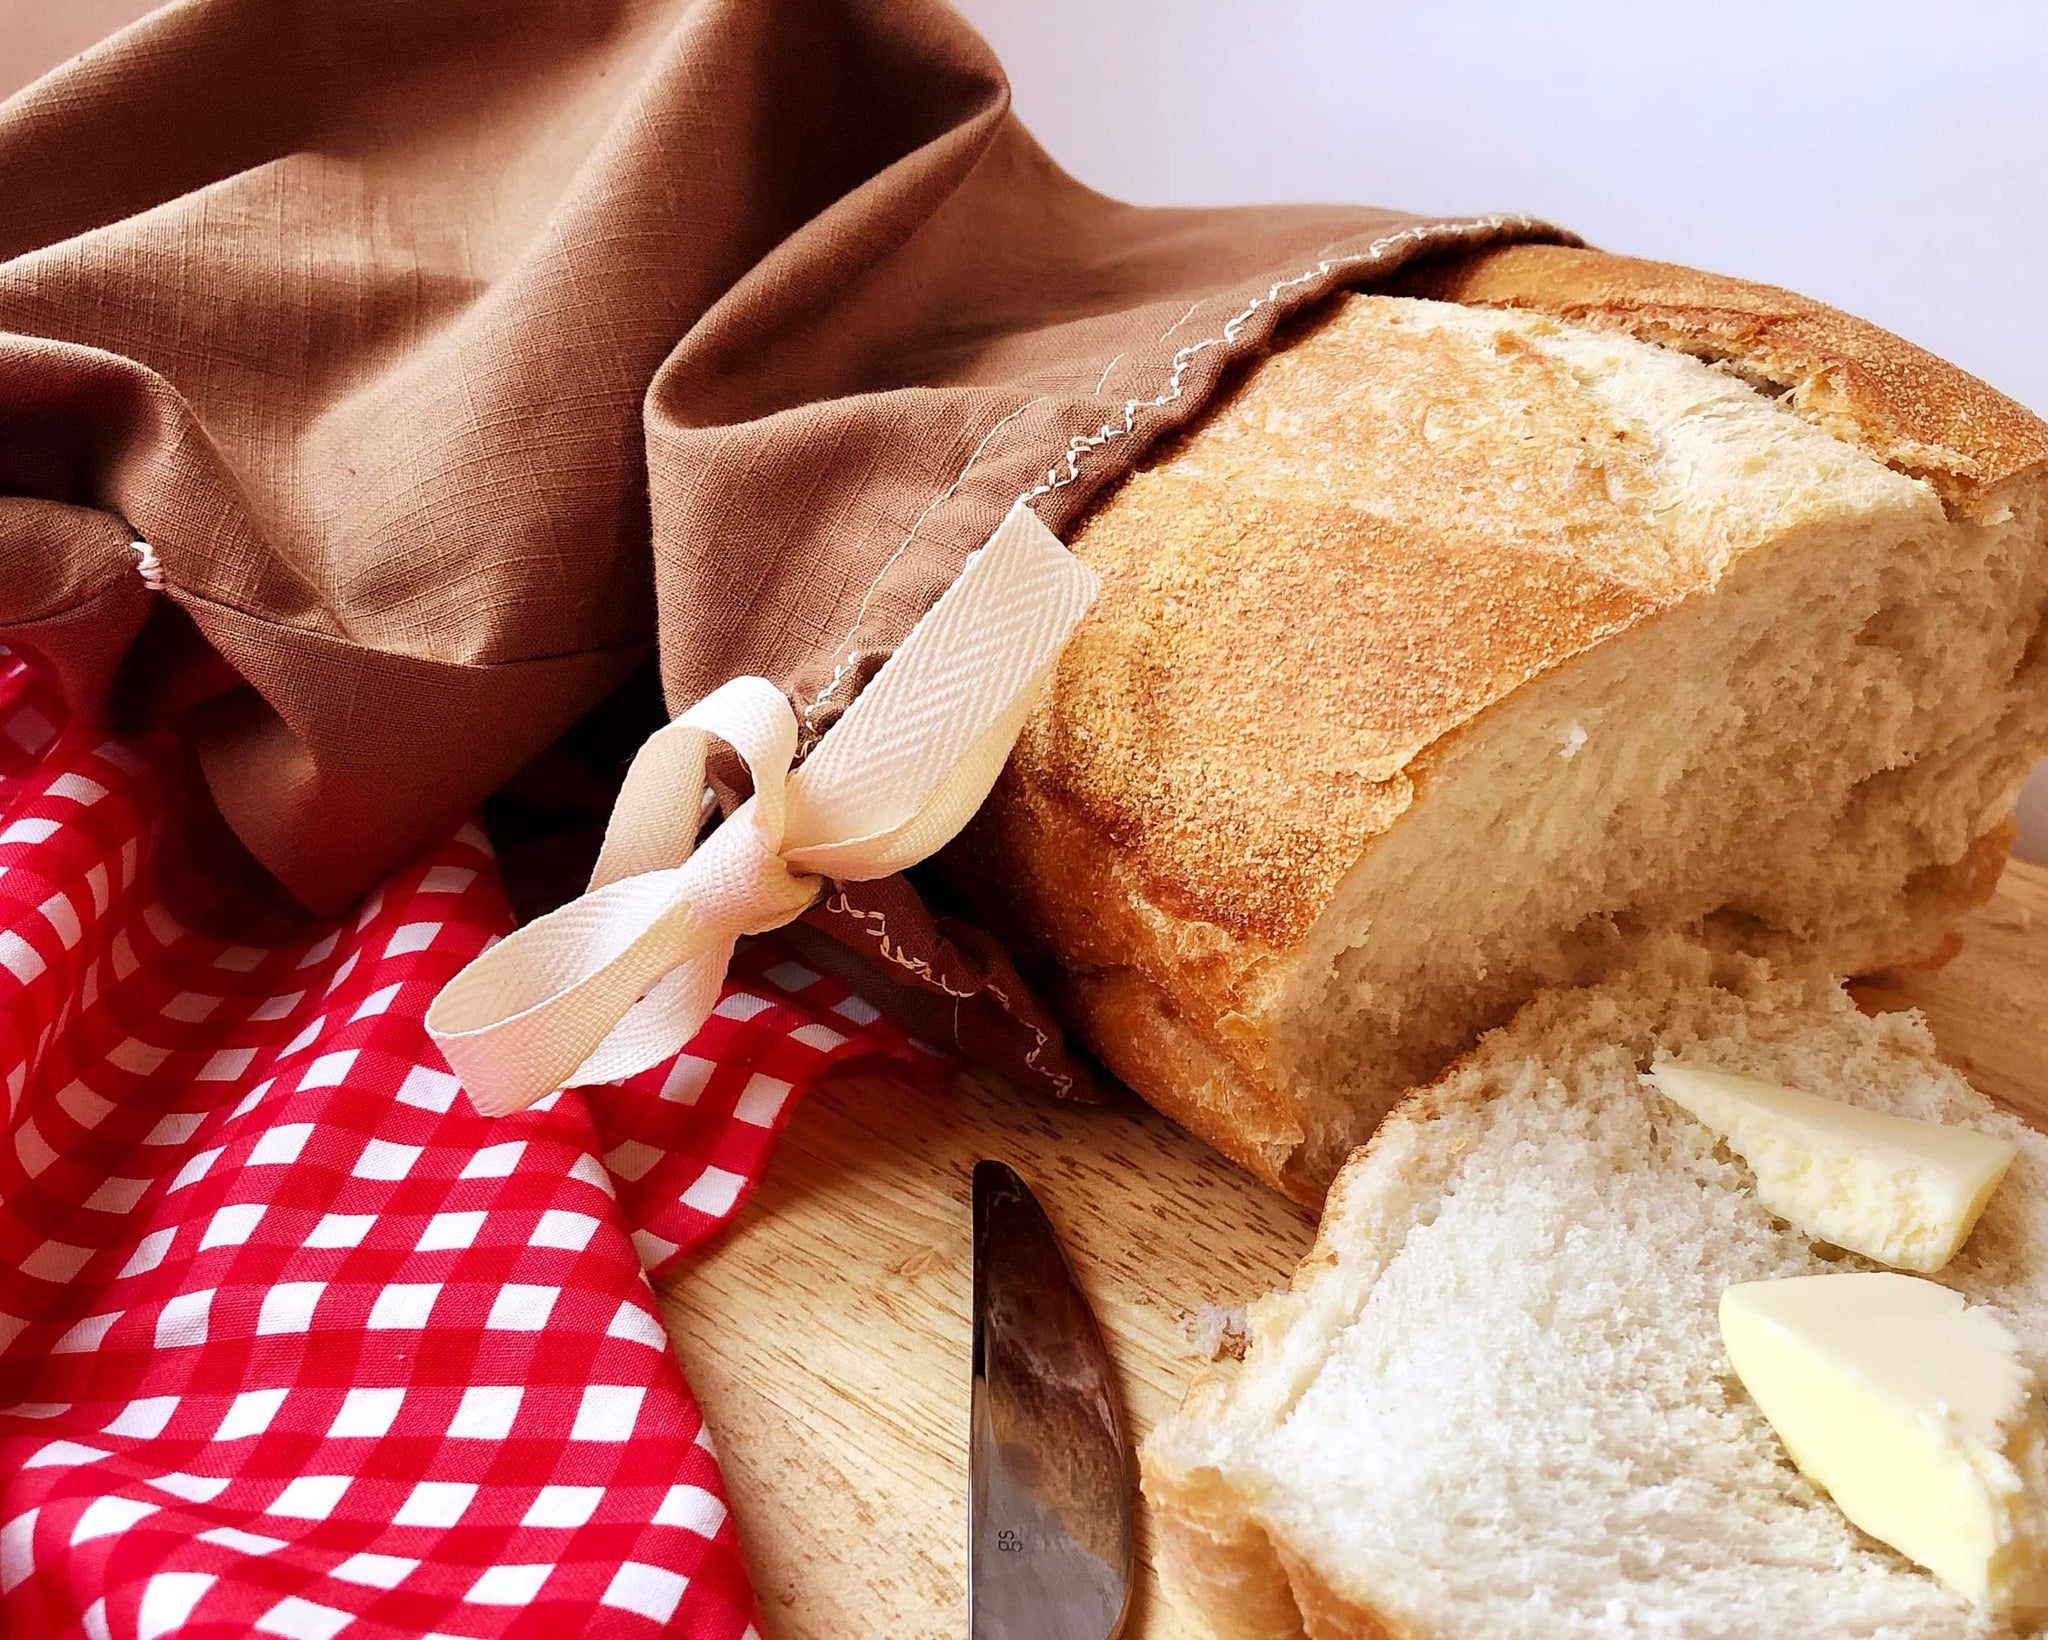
(382,383)
(1488,633)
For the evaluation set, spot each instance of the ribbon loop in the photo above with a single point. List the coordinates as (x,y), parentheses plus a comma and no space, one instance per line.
(623,977)
(647,831)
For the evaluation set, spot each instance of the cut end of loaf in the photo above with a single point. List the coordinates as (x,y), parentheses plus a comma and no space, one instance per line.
(1814,760)
(1495,1401)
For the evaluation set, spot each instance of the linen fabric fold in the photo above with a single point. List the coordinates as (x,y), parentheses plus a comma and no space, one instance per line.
(453,359)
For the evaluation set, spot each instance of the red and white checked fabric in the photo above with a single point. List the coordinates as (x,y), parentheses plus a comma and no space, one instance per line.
(292,1341)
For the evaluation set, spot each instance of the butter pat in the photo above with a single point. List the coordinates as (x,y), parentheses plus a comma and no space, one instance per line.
(1913,1411)
(1904,1192)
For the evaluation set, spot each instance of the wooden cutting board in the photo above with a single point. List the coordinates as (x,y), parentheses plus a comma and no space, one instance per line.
(827,1334)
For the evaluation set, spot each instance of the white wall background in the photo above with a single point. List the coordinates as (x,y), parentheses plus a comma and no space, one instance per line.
(1887,156)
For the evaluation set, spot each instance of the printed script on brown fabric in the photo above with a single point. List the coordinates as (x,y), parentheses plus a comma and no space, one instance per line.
(452,357)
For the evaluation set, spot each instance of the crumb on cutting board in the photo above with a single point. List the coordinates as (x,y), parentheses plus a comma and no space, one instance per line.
(1213,1331)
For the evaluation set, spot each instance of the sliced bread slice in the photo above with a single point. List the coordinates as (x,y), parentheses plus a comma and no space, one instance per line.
(1495,1403)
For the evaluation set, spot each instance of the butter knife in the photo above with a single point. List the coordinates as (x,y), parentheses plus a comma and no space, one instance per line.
(1049,1475)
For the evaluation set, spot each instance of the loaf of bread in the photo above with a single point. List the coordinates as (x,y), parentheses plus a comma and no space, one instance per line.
(1483,633)
(1495,1403)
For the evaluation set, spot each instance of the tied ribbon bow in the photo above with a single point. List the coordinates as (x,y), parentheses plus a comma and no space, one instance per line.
(623,977)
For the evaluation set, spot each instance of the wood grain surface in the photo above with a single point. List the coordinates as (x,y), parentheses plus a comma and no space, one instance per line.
(827,1335)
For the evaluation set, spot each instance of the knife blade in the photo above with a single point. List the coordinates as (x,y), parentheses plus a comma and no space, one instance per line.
(1049,1475)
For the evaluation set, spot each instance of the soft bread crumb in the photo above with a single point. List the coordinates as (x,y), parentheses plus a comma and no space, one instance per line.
(1495,1404)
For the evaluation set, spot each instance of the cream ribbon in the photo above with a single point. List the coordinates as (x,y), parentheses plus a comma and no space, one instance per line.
(618,980)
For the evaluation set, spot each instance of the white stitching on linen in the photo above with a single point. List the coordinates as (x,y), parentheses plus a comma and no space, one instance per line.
(861,614)
(1061,1082)
(1083,444)
(1183,319)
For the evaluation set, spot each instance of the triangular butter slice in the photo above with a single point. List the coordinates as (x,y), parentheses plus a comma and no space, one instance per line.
(1913,1411)
(1906,1193)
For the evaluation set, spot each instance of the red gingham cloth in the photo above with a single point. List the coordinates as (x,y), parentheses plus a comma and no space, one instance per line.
(292,1341)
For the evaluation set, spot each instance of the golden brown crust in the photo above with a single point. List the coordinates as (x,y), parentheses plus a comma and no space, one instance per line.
(1328,1615)
(1149,1044)
(1244,1586)
(1153,994)
(1371,542)
(1913,411)
(1294,604)
(1311,536)
(1231,1580)
(1033,860)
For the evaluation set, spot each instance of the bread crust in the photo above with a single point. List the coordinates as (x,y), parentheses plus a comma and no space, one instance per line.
(1154,995)
(1234,1581)
(1353,639)
(1165,877)
(1915,412)
(1328,1615)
